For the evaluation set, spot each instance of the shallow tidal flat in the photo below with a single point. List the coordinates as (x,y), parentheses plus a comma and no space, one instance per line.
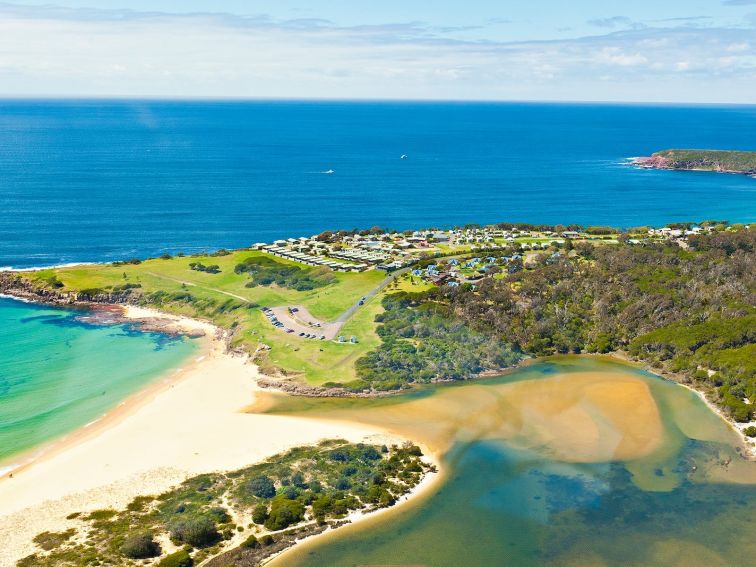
(569,461)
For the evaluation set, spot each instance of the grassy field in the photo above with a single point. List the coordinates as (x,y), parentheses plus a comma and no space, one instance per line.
(224,299)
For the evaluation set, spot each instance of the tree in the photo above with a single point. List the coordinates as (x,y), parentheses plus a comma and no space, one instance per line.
(262,487)
(260,514)
(140,546)
(197,532)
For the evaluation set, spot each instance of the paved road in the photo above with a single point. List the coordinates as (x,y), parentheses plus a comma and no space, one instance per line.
(344,317)
(303,321)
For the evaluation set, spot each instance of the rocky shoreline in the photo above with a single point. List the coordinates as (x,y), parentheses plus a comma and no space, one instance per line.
(102,309)
(693,160)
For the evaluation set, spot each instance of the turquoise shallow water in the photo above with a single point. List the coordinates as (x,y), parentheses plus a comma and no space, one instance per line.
(58,373)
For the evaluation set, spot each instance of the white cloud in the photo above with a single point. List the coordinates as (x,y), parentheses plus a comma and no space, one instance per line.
(615,56)
(88,52)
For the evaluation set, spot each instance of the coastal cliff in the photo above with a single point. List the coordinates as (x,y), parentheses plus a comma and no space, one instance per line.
(720,161)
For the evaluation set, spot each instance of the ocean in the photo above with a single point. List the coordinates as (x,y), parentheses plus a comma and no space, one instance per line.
(89,181)
(58,373)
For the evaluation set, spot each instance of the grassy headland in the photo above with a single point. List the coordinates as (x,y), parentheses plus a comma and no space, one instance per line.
(475,300)
(232,299)
(702,160)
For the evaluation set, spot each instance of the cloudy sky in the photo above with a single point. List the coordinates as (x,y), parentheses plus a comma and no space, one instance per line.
(592,50)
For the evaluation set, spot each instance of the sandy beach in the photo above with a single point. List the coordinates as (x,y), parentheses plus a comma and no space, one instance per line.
(189,422)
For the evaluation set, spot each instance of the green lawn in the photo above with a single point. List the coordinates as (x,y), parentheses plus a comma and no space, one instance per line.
(168,275)
(224,299)
(323,361)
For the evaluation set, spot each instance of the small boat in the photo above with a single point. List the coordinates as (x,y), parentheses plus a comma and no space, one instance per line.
(329,172)
(404,156)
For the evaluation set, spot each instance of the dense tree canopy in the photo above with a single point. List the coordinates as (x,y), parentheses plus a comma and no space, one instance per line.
(686,311)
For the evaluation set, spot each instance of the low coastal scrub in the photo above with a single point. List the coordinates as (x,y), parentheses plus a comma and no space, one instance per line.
(301,491)
(266,271)
(424,341)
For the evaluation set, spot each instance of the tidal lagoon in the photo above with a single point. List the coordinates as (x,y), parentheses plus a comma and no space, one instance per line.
(569,461)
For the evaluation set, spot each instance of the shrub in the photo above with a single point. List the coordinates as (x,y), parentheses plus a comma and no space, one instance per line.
(197,532)
(219,514)
(267,540)
(262,487)
(200,267)
(290,492)
(251,542)
(260,514)
(750,431)
(50,540)
(178,559)
(99,515)
(140,546)
(139,504)
(284,513)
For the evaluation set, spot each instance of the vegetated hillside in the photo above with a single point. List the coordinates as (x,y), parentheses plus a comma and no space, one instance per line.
(690,312)
(424,342)
(715,160)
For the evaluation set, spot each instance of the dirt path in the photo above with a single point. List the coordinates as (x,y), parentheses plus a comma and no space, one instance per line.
(191,284)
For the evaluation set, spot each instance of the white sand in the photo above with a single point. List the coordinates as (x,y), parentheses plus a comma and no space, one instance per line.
(188,423)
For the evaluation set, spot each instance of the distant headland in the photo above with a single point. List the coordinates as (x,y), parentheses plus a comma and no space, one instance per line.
(721,161)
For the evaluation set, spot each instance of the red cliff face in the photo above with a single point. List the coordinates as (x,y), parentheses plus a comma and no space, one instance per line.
(654,162)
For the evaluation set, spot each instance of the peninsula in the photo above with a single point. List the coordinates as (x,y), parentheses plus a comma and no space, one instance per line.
(365,313)
(721,161)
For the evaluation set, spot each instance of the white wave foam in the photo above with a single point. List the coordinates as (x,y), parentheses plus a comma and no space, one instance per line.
(52,266)
(14,298)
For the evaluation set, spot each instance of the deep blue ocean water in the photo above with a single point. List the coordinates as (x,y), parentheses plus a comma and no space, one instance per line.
(98,180)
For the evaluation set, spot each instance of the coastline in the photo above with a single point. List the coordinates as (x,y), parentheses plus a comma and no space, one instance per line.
(659,163)
(157,438)
(26,511)
(173,325)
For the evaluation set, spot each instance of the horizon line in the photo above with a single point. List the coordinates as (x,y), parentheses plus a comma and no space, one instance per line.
(398,100)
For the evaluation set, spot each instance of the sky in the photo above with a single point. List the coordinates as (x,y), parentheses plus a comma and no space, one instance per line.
(568,50)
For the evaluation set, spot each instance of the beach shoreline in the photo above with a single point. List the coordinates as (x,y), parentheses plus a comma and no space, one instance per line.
(133,402)
(157,438)
(29,510)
